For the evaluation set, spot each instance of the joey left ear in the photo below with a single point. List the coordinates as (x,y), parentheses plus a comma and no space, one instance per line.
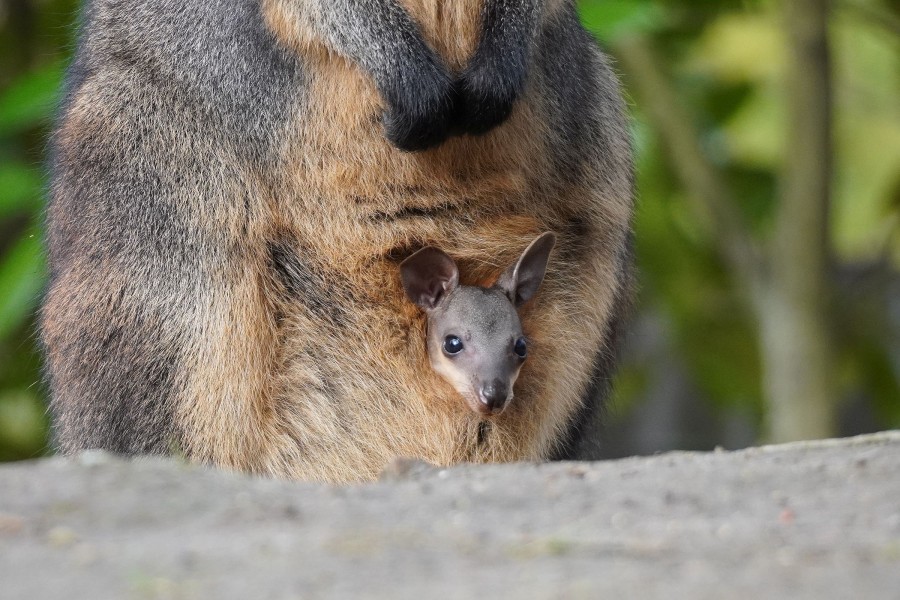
(428,276)
(521,280)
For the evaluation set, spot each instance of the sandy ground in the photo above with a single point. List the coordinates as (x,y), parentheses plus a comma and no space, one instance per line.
(817,520)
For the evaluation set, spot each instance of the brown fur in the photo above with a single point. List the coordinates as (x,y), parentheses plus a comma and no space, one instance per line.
(484,197)
(260,376)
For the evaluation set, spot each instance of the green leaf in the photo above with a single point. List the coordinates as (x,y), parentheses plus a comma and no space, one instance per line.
(611,19)
(23,425)
(20,188)
(22,276)
(30,100)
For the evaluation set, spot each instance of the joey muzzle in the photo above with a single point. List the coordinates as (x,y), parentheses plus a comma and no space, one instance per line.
(493,396)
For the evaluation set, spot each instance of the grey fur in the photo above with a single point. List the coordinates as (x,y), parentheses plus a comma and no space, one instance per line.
(483,321)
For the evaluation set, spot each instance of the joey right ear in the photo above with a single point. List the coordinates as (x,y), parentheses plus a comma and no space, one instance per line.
(428,276)
(521,280)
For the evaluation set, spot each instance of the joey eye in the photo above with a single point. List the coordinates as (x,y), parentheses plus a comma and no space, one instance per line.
(521,348)
(452,345)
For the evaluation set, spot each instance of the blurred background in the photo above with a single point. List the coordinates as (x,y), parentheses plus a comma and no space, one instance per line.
(767,137)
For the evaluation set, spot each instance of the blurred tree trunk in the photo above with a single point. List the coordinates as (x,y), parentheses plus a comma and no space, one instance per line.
(786,283)
(794,316)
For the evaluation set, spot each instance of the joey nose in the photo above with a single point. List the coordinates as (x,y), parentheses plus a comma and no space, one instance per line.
(493,395)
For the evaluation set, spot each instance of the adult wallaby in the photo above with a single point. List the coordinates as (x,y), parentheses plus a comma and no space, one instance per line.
(474,335)
(234,183)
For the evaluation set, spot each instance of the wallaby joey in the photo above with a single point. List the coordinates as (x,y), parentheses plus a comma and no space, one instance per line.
(475,339)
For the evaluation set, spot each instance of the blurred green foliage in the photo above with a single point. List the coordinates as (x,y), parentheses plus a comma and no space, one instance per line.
(727,60)
(35,38)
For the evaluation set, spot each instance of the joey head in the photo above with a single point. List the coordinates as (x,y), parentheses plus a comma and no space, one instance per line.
(474,336)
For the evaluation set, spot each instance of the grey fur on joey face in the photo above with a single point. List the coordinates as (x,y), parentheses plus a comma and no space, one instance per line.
(475,339)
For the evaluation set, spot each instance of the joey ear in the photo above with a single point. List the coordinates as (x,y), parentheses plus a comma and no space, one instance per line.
(428,276)
(521,280)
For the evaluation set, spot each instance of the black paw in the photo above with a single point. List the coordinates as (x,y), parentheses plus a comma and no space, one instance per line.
(486,93)
(420,107)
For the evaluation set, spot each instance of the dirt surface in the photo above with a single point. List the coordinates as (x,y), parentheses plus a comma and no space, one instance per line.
(817,520)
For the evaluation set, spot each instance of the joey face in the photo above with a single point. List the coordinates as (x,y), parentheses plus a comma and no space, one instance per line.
(475,339)
(475,342)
